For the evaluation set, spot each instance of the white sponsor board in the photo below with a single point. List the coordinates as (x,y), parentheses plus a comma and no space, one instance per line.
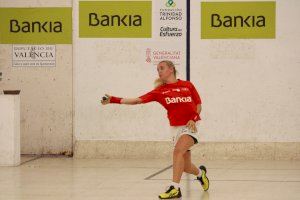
(33,56)
(169,19)
(169,34)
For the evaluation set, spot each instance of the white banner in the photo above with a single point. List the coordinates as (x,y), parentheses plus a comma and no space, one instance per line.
(33,56)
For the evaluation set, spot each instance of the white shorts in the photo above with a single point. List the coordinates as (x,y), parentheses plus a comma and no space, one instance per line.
(178,131)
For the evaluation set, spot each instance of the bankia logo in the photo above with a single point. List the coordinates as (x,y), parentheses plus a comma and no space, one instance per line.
(115,19)
(241,20)
(170,100)
(36,25)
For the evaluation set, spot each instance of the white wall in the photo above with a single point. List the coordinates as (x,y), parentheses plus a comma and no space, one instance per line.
(250,88)
(46,93)
(118,67)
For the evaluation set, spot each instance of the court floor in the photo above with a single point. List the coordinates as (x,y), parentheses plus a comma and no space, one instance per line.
(59,178)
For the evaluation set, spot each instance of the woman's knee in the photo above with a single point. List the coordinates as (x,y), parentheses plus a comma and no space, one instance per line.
(179,151)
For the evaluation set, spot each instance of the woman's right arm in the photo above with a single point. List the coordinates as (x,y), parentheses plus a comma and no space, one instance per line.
(131,101)
(127,101)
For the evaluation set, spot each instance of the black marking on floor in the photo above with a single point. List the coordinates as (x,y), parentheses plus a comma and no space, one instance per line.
(36,158)
(159,172)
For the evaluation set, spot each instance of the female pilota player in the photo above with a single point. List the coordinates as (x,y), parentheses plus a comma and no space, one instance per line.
(183,103)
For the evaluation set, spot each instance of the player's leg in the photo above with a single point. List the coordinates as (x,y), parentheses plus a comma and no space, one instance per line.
(189,167)
(183,144)
(200,172)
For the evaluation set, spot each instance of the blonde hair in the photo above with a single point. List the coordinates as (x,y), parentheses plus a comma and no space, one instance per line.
(158,82)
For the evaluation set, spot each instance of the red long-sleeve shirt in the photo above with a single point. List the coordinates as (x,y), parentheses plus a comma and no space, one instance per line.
(180,99)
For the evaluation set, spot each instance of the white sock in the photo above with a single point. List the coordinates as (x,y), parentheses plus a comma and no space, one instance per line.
(176,185)
(200,173)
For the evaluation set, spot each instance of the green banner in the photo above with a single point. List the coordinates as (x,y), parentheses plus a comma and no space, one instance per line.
(225,20)
(36,25)
(115,19)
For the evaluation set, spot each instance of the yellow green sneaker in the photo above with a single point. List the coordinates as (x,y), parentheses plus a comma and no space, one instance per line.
(171,193)
(204,181)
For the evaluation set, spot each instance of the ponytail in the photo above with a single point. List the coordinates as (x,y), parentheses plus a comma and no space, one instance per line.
(158,82)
